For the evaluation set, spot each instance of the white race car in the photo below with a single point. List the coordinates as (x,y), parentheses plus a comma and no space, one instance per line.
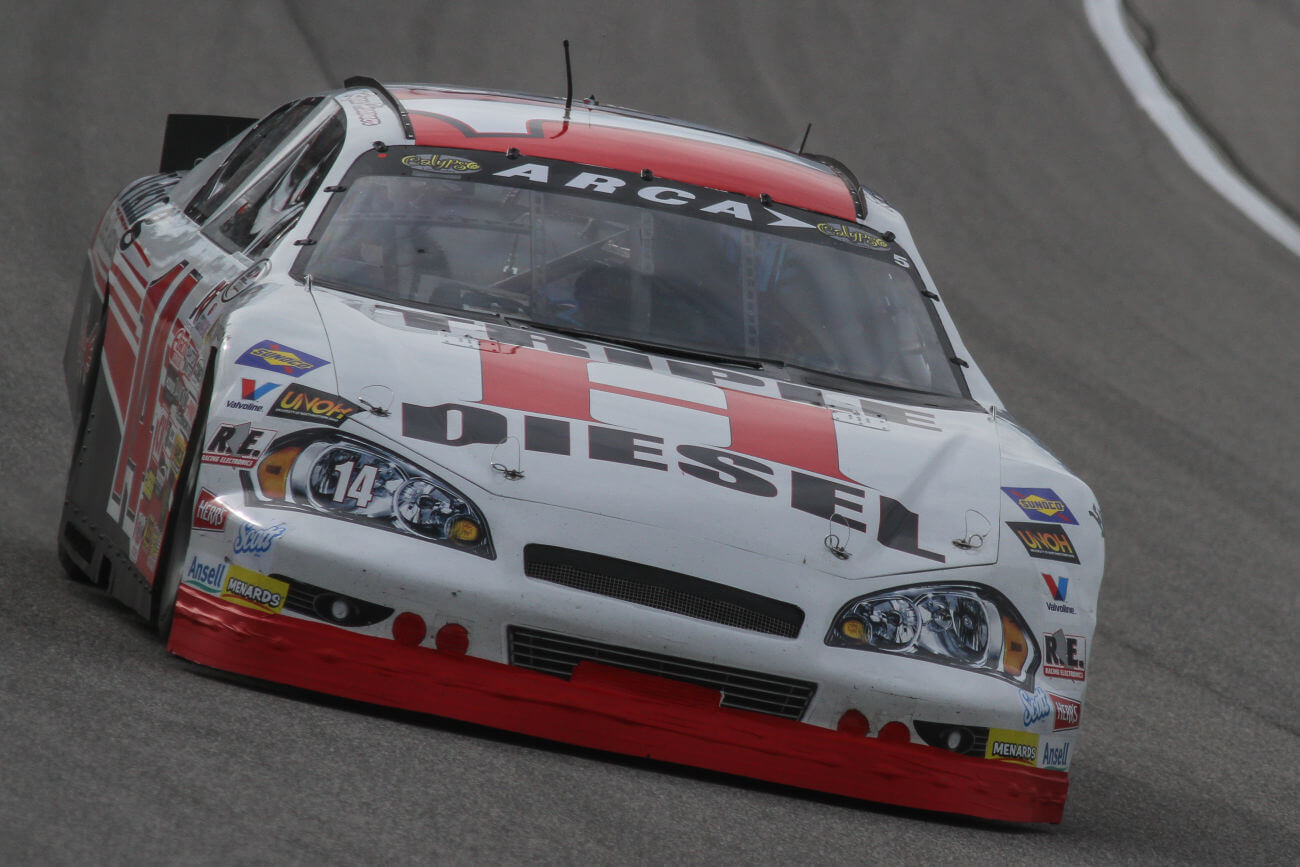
(580,423)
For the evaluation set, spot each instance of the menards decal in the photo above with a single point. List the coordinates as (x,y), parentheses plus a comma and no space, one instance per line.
(556,389)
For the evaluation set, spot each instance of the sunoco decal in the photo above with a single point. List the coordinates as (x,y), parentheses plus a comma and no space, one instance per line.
(269,355)
(255,590)
(441,164)
(1041,504)
(855,235)
(1008,746)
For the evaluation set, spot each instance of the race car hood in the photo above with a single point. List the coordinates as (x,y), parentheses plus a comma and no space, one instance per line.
(843,484)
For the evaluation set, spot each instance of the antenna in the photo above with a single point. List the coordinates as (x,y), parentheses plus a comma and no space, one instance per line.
(805,137)
(568,74)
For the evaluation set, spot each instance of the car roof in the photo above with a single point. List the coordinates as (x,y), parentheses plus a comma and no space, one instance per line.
(625,140)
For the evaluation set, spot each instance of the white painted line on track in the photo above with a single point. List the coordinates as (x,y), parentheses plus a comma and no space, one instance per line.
(1106,18)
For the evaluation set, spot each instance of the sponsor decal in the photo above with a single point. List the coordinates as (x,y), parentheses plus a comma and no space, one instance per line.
(236,445)
(1067,712)
(205,576)
(1008,746)
(255,590)
(276,357)
(364,103)
(304,403)
(1045,541)
(1057,587)
(250,392)
(441,164)
(1064,656)
(1041,504)
(253,539)
(1056,755)
(855,235)
(209,513)
(1037,705)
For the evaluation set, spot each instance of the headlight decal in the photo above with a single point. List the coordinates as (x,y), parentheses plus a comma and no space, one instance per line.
(342,476)
(962,625)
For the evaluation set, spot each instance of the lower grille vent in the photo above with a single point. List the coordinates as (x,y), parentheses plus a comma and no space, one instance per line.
(659,588)
(557,654)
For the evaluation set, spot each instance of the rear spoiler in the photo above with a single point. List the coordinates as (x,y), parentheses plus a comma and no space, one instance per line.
(191,137)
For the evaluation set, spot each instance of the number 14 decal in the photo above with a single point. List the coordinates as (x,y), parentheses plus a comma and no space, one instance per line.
(361,489)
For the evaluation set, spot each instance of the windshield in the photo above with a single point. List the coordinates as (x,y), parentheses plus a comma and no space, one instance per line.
(606,254)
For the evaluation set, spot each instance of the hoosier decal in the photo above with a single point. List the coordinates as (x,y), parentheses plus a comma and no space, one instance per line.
(1045,541)
(304,403)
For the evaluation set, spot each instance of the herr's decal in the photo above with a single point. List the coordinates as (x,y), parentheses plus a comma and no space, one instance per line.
(1045,541)
(304,403)
(255,590)
(209,512)
(269,355)
(1064,656)
(763,431)
(1066,712)
(1041,504)
(236,445)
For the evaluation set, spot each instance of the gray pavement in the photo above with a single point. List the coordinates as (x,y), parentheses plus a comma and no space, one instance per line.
(1144,331)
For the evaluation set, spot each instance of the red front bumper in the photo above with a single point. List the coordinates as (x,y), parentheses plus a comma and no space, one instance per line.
(609,709)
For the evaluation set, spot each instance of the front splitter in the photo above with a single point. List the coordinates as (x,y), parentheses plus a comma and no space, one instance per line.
(610,709)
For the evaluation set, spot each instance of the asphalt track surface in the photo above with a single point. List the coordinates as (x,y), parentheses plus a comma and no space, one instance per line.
(1143,331)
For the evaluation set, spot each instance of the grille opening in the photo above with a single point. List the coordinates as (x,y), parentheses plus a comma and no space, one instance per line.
(663,590)
(557,654)
(80,544)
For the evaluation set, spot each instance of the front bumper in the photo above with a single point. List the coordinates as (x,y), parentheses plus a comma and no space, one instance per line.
(609,709)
